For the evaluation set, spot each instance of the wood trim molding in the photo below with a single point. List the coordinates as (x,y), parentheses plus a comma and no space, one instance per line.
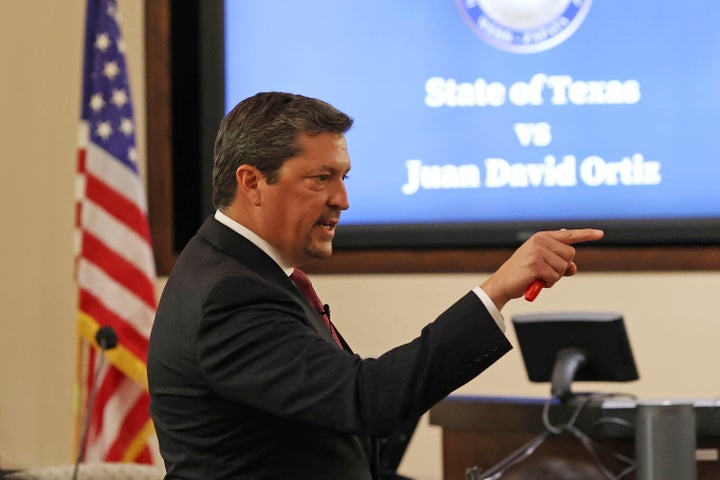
(161,209)
(603,259)
(159,132)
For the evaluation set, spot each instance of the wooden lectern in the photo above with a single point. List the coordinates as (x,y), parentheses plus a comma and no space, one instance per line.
(480,432)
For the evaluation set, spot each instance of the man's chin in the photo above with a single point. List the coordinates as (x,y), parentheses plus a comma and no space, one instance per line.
(319,251)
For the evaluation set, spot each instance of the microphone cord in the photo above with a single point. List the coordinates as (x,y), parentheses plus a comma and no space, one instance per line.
(106,339)
(86,423)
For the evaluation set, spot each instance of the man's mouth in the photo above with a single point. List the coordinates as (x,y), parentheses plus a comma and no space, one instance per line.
(329,224)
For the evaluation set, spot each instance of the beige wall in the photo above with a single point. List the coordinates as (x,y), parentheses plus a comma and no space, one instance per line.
(672,317)
(40,60)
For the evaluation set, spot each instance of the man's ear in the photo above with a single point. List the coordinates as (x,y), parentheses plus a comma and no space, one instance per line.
(248,183)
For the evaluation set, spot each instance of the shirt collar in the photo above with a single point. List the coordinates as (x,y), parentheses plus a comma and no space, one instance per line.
(256,240)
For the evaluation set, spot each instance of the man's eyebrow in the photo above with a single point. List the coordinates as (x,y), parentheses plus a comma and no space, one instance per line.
(333,168)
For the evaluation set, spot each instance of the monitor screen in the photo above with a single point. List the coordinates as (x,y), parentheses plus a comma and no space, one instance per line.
(598,341)
(478,122)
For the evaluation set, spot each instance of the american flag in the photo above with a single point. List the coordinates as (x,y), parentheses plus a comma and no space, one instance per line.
(115,269)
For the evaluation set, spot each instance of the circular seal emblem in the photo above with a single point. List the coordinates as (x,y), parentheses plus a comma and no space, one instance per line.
(524,26)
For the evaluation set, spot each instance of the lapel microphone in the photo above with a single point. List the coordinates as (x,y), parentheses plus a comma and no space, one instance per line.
(326,311)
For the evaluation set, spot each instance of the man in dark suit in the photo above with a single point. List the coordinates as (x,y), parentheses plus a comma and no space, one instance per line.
(248,379)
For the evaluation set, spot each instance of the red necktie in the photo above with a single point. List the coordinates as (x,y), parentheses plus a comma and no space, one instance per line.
(305,286)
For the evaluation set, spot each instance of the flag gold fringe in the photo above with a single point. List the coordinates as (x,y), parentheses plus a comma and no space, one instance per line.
(139,442)
(120,357)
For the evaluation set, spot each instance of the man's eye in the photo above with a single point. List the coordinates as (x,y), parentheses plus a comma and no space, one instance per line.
(323,178)
(346,177)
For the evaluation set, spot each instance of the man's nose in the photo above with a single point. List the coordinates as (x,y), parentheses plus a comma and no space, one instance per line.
(339,198)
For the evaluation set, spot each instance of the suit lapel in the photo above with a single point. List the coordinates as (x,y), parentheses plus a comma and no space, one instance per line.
(248,254)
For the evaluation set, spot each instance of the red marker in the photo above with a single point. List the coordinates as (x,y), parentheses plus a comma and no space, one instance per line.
(533,290)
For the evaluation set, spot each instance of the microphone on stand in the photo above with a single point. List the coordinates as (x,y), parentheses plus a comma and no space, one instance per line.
(107,339)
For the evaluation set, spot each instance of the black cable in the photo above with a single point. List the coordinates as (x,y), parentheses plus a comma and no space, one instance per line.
(593,447)
(499,469)
(590,445)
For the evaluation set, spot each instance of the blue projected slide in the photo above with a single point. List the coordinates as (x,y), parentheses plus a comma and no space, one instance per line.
(512,110)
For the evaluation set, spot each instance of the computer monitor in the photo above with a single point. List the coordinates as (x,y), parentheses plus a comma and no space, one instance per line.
(563,347)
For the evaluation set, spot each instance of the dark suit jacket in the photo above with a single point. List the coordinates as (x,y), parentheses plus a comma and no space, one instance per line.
(246,381)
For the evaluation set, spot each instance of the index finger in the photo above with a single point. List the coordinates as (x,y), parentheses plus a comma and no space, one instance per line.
(577,235)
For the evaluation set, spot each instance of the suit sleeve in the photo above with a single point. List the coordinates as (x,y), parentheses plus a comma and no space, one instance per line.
(256,349)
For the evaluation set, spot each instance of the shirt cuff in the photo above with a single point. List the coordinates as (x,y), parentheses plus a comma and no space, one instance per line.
(491,308)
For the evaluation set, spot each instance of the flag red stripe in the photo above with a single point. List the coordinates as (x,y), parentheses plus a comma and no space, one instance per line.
(145,456)
(89,369)
(131,339)
(133,424)
(81,174)
(117,205)
(119,269)
(81,160)
(105,391)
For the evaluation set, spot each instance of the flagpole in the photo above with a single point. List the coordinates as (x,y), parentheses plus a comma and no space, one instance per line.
(78,395)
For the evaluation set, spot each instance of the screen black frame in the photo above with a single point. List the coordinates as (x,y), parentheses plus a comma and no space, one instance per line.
(173,219)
